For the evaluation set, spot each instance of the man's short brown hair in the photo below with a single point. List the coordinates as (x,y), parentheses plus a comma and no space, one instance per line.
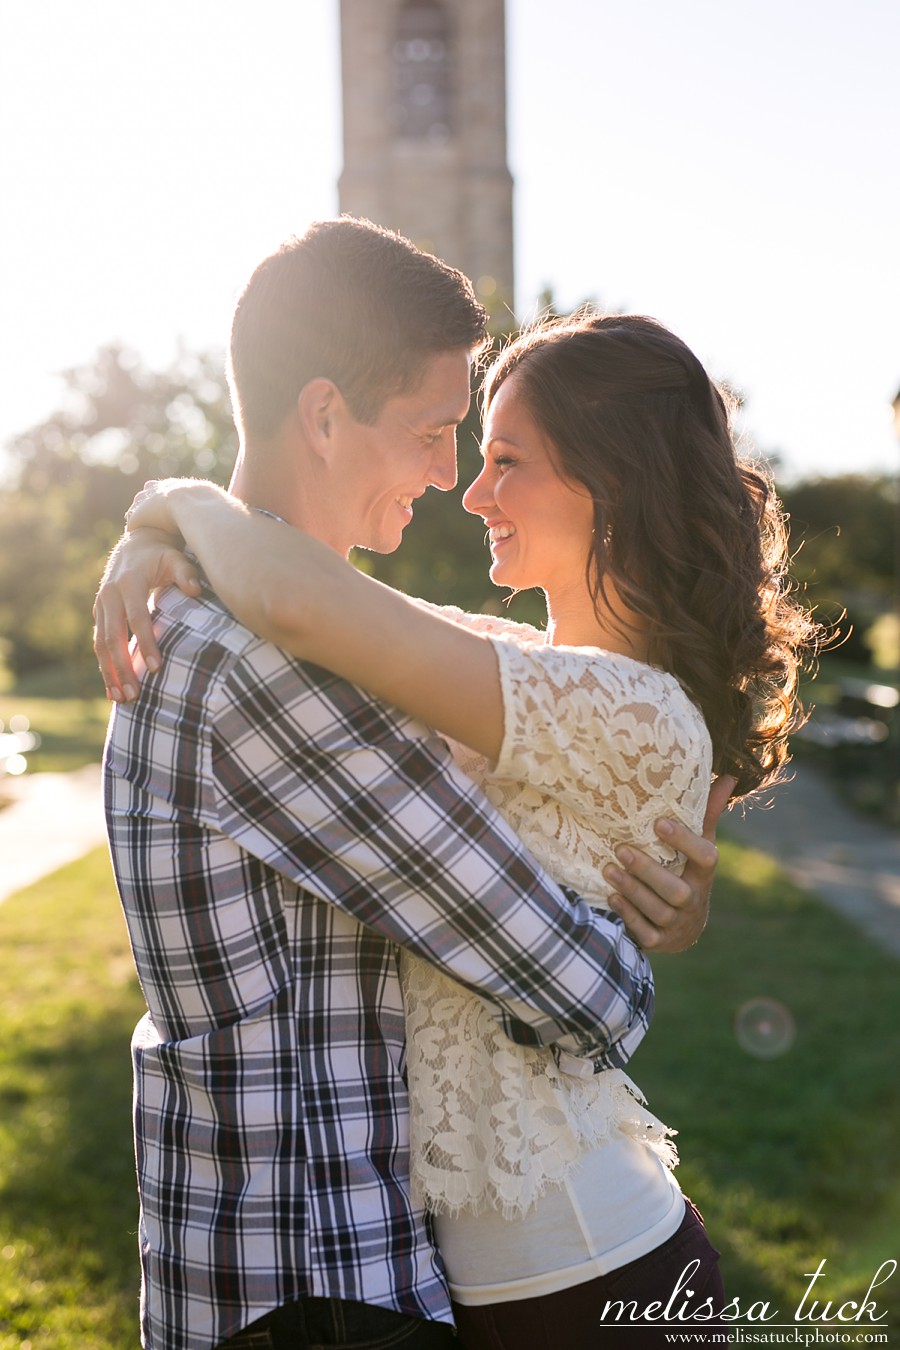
(350,302)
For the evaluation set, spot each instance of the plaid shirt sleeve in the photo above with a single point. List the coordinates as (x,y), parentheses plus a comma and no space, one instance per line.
(365,809)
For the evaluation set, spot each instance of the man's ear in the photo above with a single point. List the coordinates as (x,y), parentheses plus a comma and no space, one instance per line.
(320,410)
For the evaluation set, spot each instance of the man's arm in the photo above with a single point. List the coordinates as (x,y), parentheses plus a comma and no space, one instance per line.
(361,806)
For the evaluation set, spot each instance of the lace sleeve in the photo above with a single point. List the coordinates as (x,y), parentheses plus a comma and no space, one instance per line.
(595,748)
(491,625)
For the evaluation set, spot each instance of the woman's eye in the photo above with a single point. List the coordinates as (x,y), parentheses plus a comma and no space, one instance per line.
(503,462)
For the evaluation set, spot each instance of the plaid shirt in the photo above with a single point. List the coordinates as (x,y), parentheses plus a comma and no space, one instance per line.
(275,832)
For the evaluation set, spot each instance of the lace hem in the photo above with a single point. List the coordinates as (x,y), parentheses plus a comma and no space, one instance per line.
(493,1125)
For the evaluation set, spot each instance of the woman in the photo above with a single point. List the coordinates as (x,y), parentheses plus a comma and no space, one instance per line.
(610,481)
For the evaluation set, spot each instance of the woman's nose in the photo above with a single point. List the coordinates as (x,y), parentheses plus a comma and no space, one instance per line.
(478,496)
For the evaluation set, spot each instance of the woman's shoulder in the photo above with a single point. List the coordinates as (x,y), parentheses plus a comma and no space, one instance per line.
(614,668)
(490,625)
(604,685)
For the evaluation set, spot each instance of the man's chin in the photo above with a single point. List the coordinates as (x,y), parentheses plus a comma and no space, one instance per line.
(381,545)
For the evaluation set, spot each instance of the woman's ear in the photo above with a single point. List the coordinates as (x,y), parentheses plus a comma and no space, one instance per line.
(320,407)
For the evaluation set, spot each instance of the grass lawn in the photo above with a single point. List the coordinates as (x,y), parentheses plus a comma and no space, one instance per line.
(791,1159)
(68,999)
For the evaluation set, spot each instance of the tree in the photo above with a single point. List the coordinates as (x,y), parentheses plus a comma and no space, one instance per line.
(844,534)
(119,421)
(75,475)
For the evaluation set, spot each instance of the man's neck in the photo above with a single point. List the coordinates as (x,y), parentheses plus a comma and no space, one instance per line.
(262,481)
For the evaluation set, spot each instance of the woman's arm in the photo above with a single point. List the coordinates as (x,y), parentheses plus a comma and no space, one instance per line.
(667,913)
(299,594)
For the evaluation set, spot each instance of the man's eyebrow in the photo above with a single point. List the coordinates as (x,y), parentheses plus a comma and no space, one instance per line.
(439,422)
(429,425)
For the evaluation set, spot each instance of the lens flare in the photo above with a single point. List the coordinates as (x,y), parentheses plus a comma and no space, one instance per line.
(764,1028)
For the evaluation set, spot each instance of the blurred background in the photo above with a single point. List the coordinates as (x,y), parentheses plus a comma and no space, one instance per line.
(729,169)
(726,169)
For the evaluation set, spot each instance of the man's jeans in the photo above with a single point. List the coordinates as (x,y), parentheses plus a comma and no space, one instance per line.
(339,1323)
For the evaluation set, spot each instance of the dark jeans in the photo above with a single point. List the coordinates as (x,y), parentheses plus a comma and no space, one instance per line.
(337,1322)
(572,1319)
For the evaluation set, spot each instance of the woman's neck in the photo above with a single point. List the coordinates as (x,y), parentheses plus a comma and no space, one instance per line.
(574,621)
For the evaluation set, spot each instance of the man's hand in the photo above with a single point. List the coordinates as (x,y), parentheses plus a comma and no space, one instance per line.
(664,912)
(141,563)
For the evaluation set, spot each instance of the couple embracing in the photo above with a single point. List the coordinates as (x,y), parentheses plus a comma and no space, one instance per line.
(390,870)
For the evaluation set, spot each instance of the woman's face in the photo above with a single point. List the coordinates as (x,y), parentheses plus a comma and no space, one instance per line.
(539,524)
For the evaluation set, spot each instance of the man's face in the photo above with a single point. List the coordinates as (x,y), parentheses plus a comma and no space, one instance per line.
(411,446)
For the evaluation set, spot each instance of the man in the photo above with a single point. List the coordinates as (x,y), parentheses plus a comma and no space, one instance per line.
(276,832)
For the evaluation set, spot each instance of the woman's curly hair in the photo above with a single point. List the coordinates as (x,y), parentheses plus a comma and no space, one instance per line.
(689,536)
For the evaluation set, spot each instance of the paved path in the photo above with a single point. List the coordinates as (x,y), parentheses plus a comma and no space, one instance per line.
(849,861)
(51,819)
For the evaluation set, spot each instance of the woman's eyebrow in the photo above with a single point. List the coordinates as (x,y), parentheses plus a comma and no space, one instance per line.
(505,440)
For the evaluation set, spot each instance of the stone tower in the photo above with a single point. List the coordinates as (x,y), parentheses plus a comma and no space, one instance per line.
(424,97)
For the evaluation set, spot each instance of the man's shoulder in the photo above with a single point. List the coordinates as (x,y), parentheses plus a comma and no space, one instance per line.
(188,619)
(246,676)
(203,644)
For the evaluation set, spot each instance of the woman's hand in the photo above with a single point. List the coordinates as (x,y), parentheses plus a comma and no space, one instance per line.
(665,912)
(153,507)
(142,562)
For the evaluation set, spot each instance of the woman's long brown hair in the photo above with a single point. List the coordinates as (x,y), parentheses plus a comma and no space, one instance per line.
(688,535)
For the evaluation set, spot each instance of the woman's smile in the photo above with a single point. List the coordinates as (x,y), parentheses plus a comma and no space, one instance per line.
(500,534)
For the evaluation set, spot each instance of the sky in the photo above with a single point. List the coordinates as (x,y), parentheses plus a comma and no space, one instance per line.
(729,167)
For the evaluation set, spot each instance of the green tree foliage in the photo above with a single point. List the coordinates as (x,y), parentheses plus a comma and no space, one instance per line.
(844,535)
(119,422)
(75,474)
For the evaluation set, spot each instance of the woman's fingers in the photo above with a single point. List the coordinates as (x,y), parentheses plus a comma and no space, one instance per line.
(111,634)
(139,565)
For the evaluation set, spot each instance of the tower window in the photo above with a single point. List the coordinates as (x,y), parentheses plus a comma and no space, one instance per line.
(422,77)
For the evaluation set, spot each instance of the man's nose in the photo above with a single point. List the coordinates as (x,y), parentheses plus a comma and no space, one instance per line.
(478,496)
(443,462)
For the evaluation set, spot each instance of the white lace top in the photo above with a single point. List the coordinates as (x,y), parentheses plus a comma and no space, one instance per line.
(596,747)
